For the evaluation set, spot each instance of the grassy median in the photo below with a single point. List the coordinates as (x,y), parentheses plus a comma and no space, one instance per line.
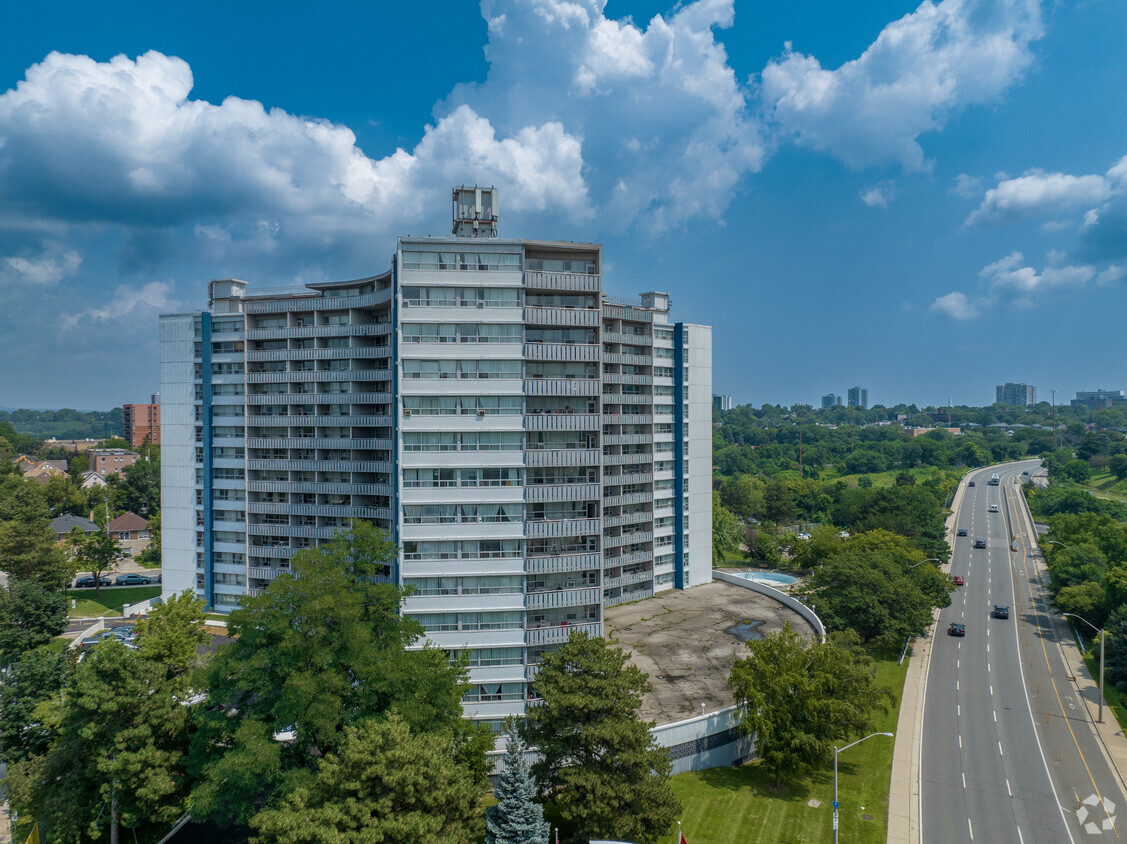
(723,805)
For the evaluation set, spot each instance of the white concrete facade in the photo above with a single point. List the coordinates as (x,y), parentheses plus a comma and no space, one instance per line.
(514,429)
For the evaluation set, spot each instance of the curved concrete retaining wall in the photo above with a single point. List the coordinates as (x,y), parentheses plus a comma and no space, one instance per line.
(781,597)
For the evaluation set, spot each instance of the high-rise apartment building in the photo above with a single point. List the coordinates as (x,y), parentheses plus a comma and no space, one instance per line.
(831,400)
(1015,395)
(539,450)
(721,402)
(141,422)
(857,397)
(1098,399)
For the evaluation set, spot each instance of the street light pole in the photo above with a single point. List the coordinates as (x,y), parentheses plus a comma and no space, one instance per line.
(1101,634)
(921,562)
(836,752)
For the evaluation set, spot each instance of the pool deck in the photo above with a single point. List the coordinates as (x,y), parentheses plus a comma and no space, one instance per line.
(683,640)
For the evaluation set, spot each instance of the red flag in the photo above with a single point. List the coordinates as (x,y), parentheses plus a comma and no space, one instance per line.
(683,841)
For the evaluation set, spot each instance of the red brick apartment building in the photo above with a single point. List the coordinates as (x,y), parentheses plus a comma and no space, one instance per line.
(107,461)
(142,421)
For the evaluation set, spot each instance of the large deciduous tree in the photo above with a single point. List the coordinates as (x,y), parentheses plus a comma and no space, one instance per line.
(30,616)
(316,652)
(97,553)
(798,697)
(384,783)
(516,818)
(138,489)
(36,678)
(600,765)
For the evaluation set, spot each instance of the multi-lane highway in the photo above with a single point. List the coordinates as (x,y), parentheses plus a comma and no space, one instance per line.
(1008,753)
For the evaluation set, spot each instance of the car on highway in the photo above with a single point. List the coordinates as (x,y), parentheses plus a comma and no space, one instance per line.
(1001,611)
(88,582)
(980,543)
(959,581)
(961,532)
(1026,472)
(956,629)
(132,579)
(993,508)
(971,483)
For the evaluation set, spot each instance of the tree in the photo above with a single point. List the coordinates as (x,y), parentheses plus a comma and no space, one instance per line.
(37,677)
(96,553)
(114,442)
(172,636)
(64,496)
(383,784)
(1077,470)
(116,760)
(316,652)
(30,616)
(872,594)
(798,697)
(1084,599)
(1118,465)
(138,490)
(726,530)
(602,768)
(516,818)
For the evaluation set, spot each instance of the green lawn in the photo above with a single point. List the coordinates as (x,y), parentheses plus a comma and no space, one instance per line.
(1106,485)
(887,479)
(723,805)
(1112,699)
(110,601)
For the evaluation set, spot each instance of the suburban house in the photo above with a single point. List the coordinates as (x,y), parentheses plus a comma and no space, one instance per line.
(128,526)
(62,525)
(91,480)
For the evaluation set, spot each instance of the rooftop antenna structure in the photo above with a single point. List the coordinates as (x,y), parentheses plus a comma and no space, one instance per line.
(475,211)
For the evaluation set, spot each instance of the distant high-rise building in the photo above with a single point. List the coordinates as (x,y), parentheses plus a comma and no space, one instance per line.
(142,422)
(1097,399)
(831,400)
(721,402)
(858,397)
(539,451)
(1016,395)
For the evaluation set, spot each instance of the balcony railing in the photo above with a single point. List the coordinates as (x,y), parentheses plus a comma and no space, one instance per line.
(578,352)
(580,282)
(558,635)
(562,527)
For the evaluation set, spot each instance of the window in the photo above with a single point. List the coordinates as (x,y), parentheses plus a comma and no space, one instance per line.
(481,261)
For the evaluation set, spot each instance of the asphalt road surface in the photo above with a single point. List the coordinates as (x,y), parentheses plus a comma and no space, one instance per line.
(1008,752)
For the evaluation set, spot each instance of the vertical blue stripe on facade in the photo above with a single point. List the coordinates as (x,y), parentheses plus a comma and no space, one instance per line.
(679,455)
(393,480)
(205,416)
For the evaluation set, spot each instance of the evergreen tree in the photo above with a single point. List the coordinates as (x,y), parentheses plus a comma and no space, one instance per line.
(604,771)
(517,818)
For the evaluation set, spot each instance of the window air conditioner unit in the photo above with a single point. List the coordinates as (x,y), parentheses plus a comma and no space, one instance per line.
(480,411)
(481,304)
(406,411)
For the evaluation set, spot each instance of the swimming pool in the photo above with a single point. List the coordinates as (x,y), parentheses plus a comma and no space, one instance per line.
(768,578)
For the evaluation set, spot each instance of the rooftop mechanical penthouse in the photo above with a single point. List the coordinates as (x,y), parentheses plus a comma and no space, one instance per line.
(538,449)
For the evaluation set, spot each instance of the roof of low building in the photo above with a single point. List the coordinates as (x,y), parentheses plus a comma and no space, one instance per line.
(127,522)
(65,522)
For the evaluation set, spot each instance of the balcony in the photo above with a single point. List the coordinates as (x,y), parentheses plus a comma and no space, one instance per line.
(632,360)
(561,422)
(627,519)
(627,538)
(562,527)
(634,478)
(620,378)
(627,439)
(558,635)
(627,559)
(631,498)
(350,352)
(548,492)
(562,598)
(548,458)
(317,398)
(562,564)
(562,387)
(645,459)
(299,332)
(628,418)
(628,339)
(319,442)
(320,465)
(582,283)
(579,352)
(567,317)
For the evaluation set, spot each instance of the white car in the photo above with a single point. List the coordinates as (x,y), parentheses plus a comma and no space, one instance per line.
(993,508)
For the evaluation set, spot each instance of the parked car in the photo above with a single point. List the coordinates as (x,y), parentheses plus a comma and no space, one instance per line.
(88,582)
(957,629)
(961,532)
(1001,611)
(124,635)
(980,543)
(132,579)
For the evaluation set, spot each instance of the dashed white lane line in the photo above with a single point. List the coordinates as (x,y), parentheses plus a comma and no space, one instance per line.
(960,742)
(1020,839)
(991,691)
(964,779)
(970,829)
(958,710)
(1000,753)
(995,716)
(1009,791)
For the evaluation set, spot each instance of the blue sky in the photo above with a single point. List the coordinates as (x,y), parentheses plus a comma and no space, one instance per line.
(924,200)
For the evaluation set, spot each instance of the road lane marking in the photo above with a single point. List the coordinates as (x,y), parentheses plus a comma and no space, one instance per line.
(970,829)
(1019,838)
(1000,753)
(960,741)
(991,690)
(995,716)
(1009,791)
(964,777)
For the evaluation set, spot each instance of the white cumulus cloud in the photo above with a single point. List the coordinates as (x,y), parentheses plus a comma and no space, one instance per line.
(1036,193)
(49,268)
(130,306)
(955,305)
(879,195)
(920,70)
